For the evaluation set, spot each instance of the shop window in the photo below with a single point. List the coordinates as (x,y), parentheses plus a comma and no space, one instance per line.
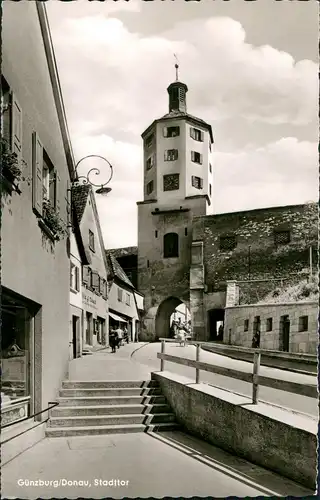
(171,131)
(228,243)
(170,245)
(120,294)
(16,360)
(171,155)
(196,134)
(269,325)
(281,237)
(91,240)
(246,325)
(303,324)
(196,157)
(170,182)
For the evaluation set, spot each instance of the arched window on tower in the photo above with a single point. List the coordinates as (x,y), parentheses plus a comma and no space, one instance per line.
(170,245)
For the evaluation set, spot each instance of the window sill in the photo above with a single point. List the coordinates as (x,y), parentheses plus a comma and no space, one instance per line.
(47,230)
(92,249)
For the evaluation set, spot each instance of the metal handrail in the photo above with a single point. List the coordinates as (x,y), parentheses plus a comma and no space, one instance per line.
(308,390)
(53,403)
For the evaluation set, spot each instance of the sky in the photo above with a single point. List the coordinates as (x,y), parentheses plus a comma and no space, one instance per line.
(252,73)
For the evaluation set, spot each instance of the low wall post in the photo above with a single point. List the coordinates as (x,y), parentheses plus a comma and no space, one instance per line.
(162,352)
(255,377)
(197,369)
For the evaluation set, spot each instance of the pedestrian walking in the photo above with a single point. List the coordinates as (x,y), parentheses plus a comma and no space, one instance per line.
(181,336)
(113,340)
(119,332)
(126,335)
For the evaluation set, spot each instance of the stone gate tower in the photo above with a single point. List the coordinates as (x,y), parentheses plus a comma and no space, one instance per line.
(177,187)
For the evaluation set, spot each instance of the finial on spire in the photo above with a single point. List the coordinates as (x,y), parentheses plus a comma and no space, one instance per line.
(177,67)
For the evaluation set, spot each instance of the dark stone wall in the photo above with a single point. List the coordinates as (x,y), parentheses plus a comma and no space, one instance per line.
(264,260)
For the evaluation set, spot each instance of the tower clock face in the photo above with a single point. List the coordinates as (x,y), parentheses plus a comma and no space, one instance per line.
(171,182)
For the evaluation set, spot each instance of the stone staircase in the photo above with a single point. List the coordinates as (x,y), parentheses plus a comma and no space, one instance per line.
(110,407)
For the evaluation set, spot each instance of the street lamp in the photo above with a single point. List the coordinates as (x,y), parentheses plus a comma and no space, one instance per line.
(102,188)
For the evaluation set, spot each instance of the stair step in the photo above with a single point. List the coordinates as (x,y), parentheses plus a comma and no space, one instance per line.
(69,411)
(108,429)
(106,384)
(92,420)
(109,400)
(91,430)
(114,391)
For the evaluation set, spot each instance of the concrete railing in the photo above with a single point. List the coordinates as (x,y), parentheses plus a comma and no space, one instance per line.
(309,390)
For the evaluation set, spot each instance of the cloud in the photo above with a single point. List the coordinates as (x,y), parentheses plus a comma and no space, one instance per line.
(122,75)
(114,82)
(281,173)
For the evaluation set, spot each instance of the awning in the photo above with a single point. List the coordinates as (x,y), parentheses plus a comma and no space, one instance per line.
(117,318)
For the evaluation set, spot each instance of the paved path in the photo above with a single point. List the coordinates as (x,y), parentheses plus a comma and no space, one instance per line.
(140,465)
(147,356)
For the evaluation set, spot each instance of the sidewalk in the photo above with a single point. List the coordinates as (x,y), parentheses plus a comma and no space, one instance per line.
(134,465)
(104,365)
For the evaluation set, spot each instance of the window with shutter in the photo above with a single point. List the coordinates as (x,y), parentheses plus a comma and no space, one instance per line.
(173,131)
(57,192)
(68,204)
(77,275)
(16,127)
(197,182)
(71,274)
(150,162)
(37,168)
(196,134)
(196,157)
(149,140)
(171,155)
(120,293)
(95,280)
(6,111)
(149,187)
(165,132)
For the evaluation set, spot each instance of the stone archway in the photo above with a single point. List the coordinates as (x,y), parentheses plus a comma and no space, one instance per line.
(164,312)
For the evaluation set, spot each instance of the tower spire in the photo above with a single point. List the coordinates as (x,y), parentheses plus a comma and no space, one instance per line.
(177,67)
